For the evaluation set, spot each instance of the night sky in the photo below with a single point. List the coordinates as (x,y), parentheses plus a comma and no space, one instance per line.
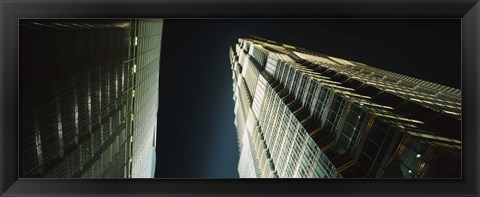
(196,136)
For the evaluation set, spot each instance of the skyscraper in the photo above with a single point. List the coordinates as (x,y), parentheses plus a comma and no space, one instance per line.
(88,98)
(303,114)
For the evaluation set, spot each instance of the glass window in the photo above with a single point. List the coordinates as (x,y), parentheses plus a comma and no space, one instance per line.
(364,163)
(377,135)
(370,148)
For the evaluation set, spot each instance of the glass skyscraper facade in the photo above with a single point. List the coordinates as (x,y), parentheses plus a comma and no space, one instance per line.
(88,98)
(302,114)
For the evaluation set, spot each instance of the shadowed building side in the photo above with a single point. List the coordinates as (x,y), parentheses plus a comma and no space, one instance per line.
(78,107)
(305,114)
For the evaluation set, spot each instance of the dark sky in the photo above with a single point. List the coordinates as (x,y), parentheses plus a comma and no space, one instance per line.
(196,135)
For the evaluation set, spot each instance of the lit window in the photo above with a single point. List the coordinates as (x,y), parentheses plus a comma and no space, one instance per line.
(136,41)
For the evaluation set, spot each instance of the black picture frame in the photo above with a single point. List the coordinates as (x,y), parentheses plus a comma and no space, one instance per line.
(11,11)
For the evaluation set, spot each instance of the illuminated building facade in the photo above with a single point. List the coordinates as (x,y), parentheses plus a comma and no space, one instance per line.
(88,98)
(301,114)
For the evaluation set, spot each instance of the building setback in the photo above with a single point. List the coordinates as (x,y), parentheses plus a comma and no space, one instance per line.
(301,114)
(88,98)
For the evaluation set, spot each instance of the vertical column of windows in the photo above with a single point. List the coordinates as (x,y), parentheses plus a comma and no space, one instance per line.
(75,110)
(38,141)
(59,127)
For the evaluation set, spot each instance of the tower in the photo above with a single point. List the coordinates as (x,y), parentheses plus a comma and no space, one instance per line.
(88,97)
(302,114)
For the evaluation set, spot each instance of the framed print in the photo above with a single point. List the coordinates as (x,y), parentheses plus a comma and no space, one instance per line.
(239,98)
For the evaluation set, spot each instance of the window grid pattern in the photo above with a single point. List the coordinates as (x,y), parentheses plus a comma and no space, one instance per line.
(355,130)
(148,34)
(92,108)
